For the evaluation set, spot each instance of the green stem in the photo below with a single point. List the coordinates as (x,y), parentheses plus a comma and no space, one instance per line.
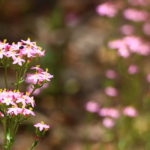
(8,139)
(34,144)
(5,77)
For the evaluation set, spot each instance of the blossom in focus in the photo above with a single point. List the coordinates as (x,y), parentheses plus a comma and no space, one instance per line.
(130,111)
(110,74)
(42,126)
(39,77)
(16,103)
(111,91)
(21,52)
(108,122)
(18,60)
(22,111)
(132,69)
(127,29)
(107,9)
(91,106)
(135,15)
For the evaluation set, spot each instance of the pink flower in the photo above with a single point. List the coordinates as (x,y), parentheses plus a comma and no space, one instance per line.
(135,15)
(111,91)
(27,112)
(37,68)
(42,126)
(39,77)
(148,77)
(23,111)
(133,69)
(2,53)
(127,29)
(110,74)
(146,28)
(14,111)
(18,60)
(91,106)
(108,123)
(130,111)
(1,114)
(8,101)
(109,112)
(107,9)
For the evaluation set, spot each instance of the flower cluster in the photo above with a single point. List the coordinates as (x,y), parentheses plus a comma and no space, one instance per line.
(110,114)
(39,77)
(15,103)
(107,9)
(21,52)
(130,44)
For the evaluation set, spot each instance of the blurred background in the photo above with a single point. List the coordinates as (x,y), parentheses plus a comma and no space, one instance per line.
(98,52)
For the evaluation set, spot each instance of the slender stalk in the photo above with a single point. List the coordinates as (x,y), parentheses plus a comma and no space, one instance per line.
(33,90)
(5,77)
(34,144)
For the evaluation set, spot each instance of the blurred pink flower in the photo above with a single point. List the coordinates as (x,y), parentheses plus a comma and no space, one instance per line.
(108,122)
(124,52)
(110,74)
(121,46)
(148,77)
(111,91)
(109,112)
(130,111)
(127,29)
(132,69)
(135,14)
(91,106)
(107,9)
(146,28)
(130,44)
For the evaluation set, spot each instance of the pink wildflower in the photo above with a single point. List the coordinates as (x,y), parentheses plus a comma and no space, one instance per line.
(110,74)
(42,126)
(108,122)
(111,91)
(148,77)
(133,69)
(130,111)
(39,77)
(127,29)
(109,112)
(18,60)
(91,106)
(107,9)
(135,15)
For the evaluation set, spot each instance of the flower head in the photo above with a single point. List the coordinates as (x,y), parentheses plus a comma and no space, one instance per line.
(42,126)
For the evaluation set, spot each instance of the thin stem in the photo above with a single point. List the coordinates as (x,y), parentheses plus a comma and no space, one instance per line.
(33,90)
(5,77)
(34,144)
